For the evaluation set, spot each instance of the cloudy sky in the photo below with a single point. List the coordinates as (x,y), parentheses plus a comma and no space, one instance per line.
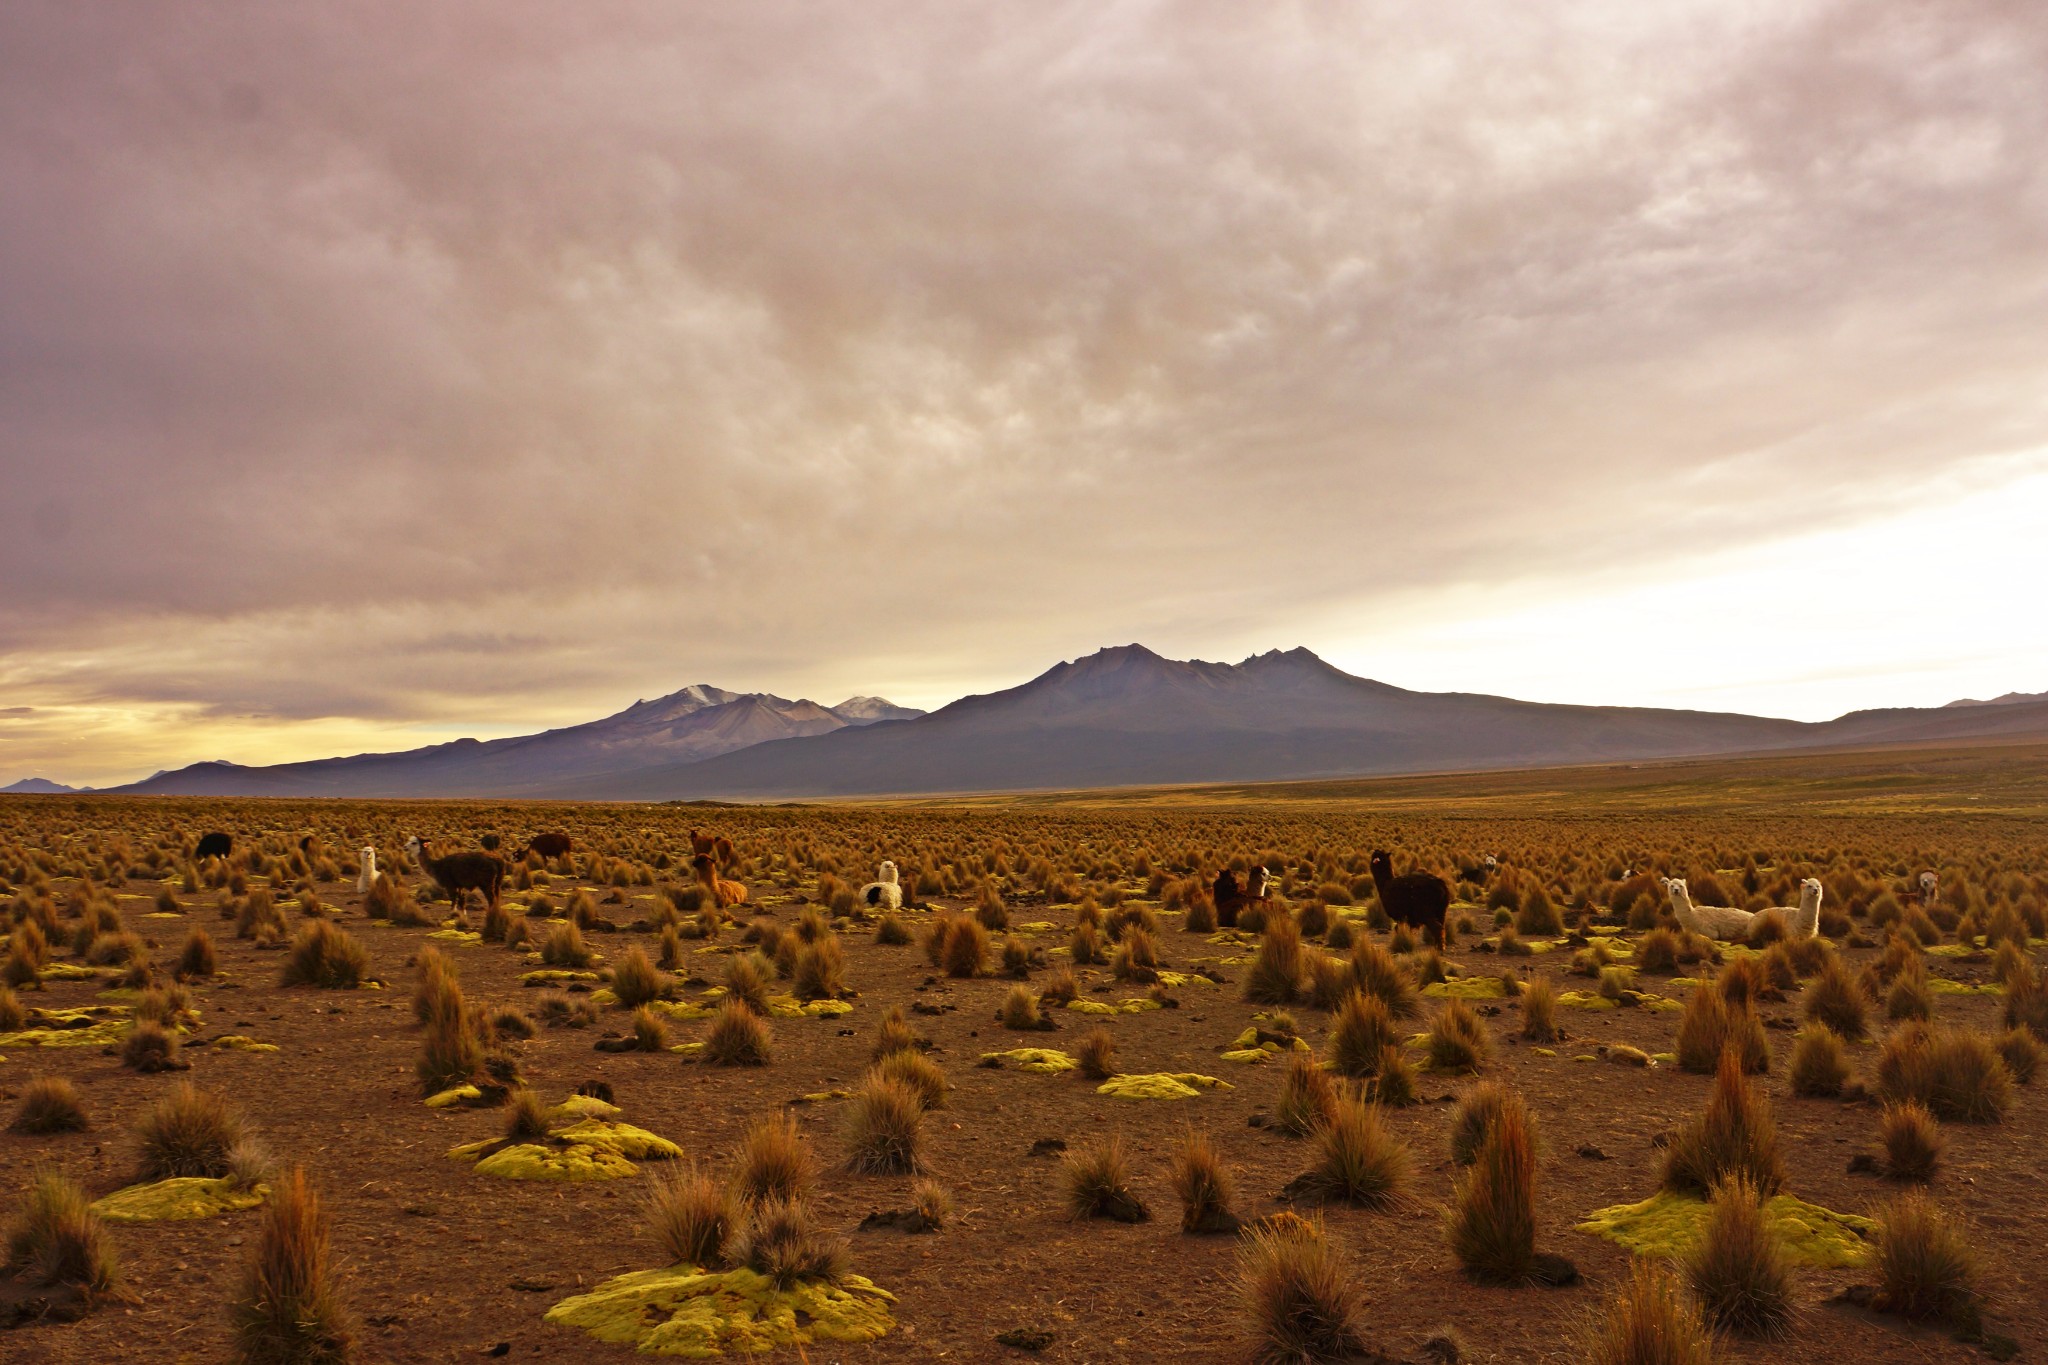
(376,373)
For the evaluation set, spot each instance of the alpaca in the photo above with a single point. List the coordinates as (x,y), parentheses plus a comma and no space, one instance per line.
(1713,921)
(550,845)
(1803,920)
(1229,898)
(367,878)
(1256,883)
(715,846)
(214,845)
(1416,898)
(884,892)
(482,873)
(726,894)
(1930,889)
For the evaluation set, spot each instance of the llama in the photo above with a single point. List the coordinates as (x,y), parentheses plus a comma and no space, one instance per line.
(884,892)
(1930,889)
(367,878)
(550,845)
(1229,898)
(725,893)
(1723,922)
(457,873)
(214,845)
(1416,898)
(1257,882)
(713,846)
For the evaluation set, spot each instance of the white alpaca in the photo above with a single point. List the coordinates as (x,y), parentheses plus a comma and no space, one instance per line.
(367,878)
(1714,921)
(884,892)
(1930,889)
(1802,921)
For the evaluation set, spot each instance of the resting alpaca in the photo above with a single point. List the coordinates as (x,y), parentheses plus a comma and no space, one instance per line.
(883,893)
(726,894)
(460,872)
(1416,899)
(1930,889)
(1229,898)
(1801,921)
(367,878)
(1713,921)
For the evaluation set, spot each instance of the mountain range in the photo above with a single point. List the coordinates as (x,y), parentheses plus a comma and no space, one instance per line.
(1119,717)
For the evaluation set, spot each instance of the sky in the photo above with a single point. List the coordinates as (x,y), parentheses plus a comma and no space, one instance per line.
(373,373)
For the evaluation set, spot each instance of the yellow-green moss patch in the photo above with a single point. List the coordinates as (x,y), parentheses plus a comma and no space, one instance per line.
(556,976)
(1466,988)
(178,1199)
(1178,979)
(538,1161)
(1132,1006)
(453,1098)
(67,971)
(88,1026)
(1160,1085)
(1586,1000)
(1044,1061)
(1941,985)
(684,1311)
(241,1042)
(457,936)
(1668,1224)
(636,1144)
(583,1107)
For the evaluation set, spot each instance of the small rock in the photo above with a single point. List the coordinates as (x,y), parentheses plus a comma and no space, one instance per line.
(1025,1338)
(1864,1163)
(1048,1146)
(1592,1153)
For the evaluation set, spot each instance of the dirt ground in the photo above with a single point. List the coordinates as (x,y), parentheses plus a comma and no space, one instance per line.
(442,1264)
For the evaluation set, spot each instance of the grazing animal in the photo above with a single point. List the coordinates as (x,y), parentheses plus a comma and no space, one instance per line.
(214,845)
(482,873)
(490,843)
(884,892)
(309,844)
(727,894)
(1417,899)
(367,878)
(550,845)
(713,846)
(1229,898)
(1723,922)
(1930,889)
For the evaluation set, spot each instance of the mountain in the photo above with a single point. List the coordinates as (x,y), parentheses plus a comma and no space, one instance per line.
(695,723)
(1126,716)
(2009,699)
(40,786)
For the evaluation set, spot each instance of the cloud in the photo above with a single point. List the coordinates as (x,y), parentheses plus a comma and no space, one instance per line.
(448,366)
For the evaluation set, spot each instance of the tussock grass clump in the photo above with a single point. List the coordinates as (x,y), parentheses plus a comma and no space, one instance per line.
(1304,1302)
(892,931)
(1657,953)
(965,947)
(1277,969)
(1360,1031)
(1925,1267)
(289,1310)
(189,1132)
(1538,915)
(774,1161)
(1377,973)
(564,947)
(1539,1011)
(636,980)
(1020,1009)
(451,1041)
(1357,1159)
(526,1116)
(1097,1054)
(2022,1055)
(917,1071)
(1912,1141)
(2026,1004)
(1734,1136)
(781,1239)
(1820,1063)
(1458,1040)
(197,959)
(820,970)
(737,1037)
(1394,1086)
(150,1048)
(13,1015)
(326,957)
(436,985)
(883,1125)
(1711,1026)
(1098,1183)
(58,1242)
(1909,997)
(1203,1186)
(893,1034)
(383,898)
(1956,1073)
(1738,1269)
(1649,1322)
(932,1203)
(650,1031)
(1491,1224)
(49,1104)
(690,1215)
(1329,981)
(1835,998)
(1308,1097)
(1479,1108)
(747,976)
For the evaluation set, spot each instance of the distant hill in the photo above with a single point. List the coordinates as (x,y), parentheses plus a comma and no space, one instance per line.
(40,786)
(697,722)
(1127,717)
(2009,699)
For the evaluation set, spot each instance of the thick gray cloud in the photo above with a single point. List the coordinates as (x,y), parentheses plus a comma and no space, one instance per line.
(499,360)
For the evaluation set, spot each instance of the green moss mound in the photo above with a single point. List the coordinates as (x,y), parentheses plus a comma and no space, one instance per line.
(1160,1085)
(1668,1224)
(177,1200)
(1941,985)
(87,1026)
(684,1311)
(242,1042)
(456,1097)
(556,976)
(1466,988)
(1043,1061)
(624,1139)
(1135,1006)
(562,1165)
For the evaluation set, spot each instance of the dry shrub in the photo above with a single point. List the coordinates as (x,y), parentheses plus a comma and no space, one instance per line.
(564,947)
(1820,1063)
(2021,1053)
(1458,1040)
(1479,1108)
(49,1104)
(436,987)
(13,1015)
(1308,1097)
(1394,1086)
(1329,981)
(781,1239)
(526,1116)
(1956,1073)
(1303,1300)
(1376,973)
(1734,1136)
(150,1048)
(1738,1269)
(636,980)
(1491,1224)
(774,1161)
(1277,969)
(2026,1005)
(451,1039)
(1357,1160)
(912,1068)
(1650,1322)
(57,1241)
(189,1132)
(1098,1183)
(893,1034)
(327,957)
(883,1123)
(1060,987)
(737,1037)
(1925,1268)
(1658,952)
(1539,1011)
(820,970)
(1835,998)
(1912,1141)
(690,1215)
(1360,1031)
(197,958)
(1020,1009)
(746,982)
(1711,1026)
(892,931)
(1097,1054)
(650,1032)
(965,947)
(1202,1185)
(383,898)
(932,1203)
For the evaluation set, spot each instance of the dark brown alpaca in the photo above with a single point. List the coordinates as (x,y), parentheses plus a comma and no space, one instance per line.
(550,845)
(1416,899)
(1229,898)
(482,873)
